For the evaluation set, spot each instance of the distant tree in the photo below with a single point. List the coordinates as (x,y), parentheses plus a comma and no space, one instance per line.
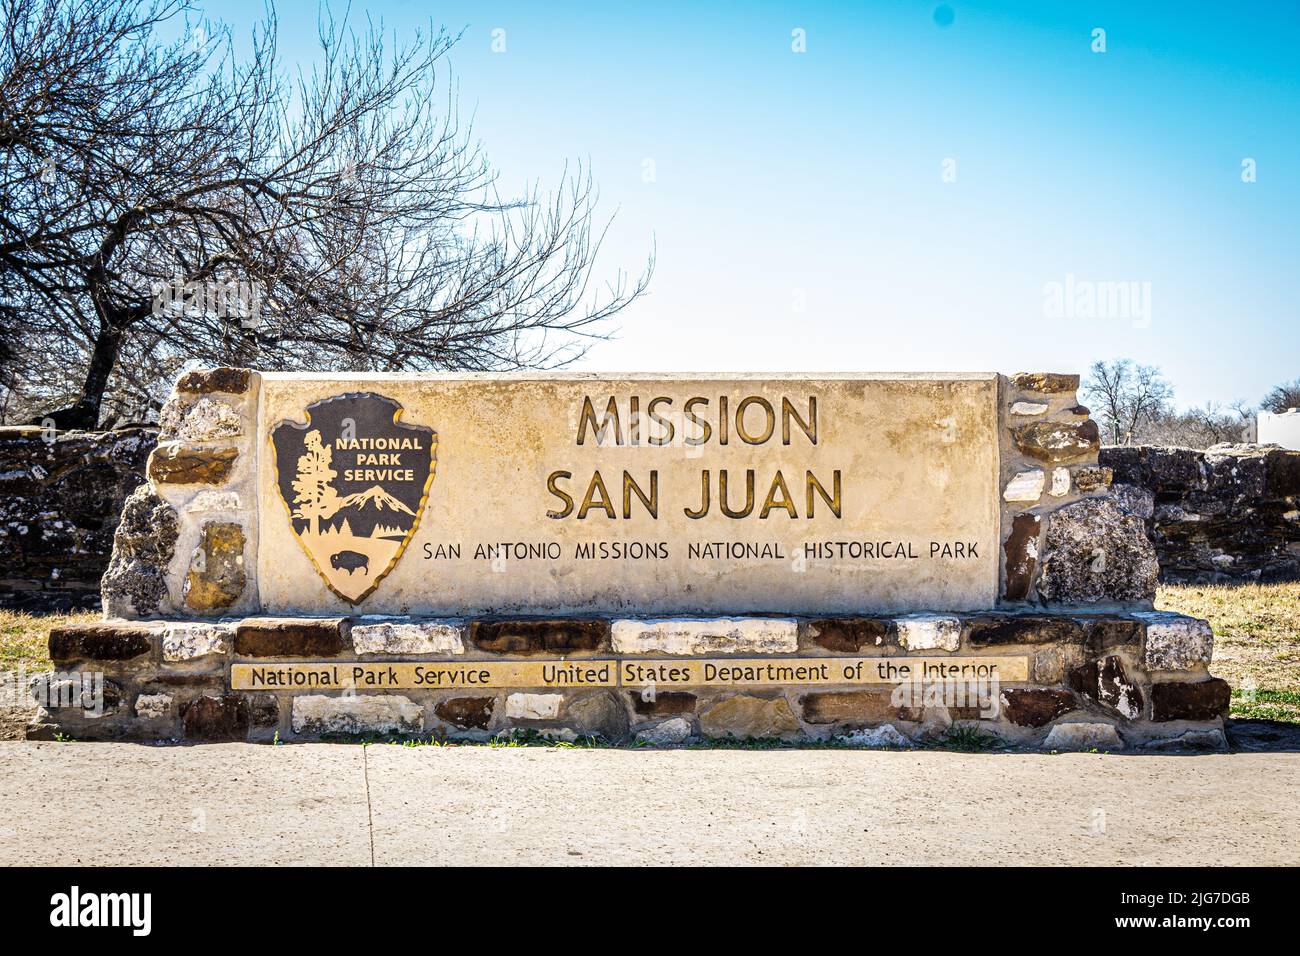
(1284,396)
(164,201)
(1125,398)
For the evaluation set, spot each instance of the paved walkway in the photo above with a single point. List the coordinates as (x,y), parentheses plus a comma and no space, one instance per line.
(86,803)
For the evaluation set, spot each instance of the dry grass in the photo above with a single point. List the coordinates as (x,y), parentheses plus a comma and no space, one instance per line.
(23,637)
(1256,642)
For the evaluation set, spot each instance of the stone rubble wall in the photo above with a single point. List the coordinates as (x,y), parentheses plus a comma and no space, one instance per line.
(1228,514)
(1066,544)
(1104,681)
(187,543)
(61,495)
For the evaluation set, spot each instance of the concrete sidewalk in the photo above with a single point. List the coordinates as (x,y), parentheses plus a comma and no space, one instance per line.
(85,803)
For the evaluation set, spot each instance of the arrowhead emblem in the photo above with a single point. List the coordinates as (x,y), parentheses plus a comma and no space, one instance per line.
(354,480)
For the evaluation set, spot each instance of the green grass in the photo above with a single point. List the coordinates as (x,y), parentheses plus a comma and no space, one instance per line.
(1256,642)
(1281,705)
(967,738)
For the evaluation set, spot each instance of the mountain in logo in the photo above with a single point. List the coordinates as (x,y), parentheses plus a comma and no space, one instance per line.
(376,497)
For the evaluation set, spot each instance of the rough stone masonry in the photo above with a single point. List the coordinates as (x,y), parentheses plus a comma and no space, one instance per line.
(870,558)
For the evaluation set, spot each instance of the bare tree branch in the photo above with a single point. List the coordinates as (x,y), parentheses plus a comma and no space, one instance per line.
(353,212)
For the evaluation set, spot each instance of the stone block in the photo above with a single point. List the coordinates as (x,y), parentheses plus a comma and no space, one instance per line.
(1035,706)
(78,693)
(885,736)
(1092,478)
(994,630)
(317,715)
(1060,483)
(1096,553)
(1058,442)
(668,733)
(291,636)
(1083,736)
(143,546)
(216,719)
(1200,740)
(1106,683)
(1052,383)
(467,713)
(1028,409)
(1134,500)
(1106,633)
(601,714)
(102,641)
(415,637)
(205,381)
(264,710)
(1175,642)
(178,464)
(205,420)
(216,575)
(562,636)
(857,706)
(663,703)
(1021,550)
(851,635)
(929,632)
(756,635)
(191,642)
(153,706)
(1128,463)
(1025,486)
(1176,469)
(746,718)
(1203,700)
(534,706)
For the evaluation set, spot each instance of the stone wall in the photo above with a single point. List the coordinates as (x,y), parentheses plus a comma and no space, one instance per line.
(1104,681)
(1227,514)
(1065,543)
(1079,659)
(61,494)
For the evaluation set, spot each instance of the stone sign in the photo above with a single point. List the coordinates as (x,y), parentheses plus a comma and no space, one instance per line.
(672,495)
(868,559)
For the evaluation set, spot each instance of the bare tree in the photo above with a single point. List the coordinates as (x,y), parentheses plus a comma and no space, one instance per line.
(166,201)
(1281,398)
(1200,426)
(1125,398)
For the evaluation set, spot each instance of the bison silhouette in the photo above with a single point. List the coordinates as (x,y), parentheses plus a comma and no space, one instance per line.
(350,561)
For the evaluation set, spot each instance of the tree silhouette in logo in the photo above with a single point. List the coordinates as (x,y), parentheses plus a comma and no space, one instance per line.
(314,493)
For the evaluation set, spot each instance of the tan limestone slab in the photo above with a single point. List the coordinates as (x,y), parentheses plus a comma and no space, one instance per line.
(917,456)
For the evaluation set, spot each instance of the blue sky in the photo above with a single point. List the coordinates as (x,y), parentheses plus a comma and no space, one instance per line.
(799,202)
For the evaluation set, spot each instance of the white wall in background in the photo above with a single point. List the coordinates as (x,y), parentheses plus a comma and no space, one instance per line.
(1283,429)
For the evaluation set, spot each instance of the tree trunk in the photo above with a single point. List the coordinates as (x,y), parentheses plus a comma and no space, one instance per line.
(103,359)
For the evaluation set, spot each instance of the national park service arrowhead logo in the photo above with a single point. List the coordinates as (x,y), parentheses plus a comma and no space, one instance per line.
(354,480)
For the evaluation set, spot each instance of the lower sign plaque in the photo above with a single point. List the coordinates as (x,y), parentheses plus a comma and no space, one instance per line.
(641,672)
